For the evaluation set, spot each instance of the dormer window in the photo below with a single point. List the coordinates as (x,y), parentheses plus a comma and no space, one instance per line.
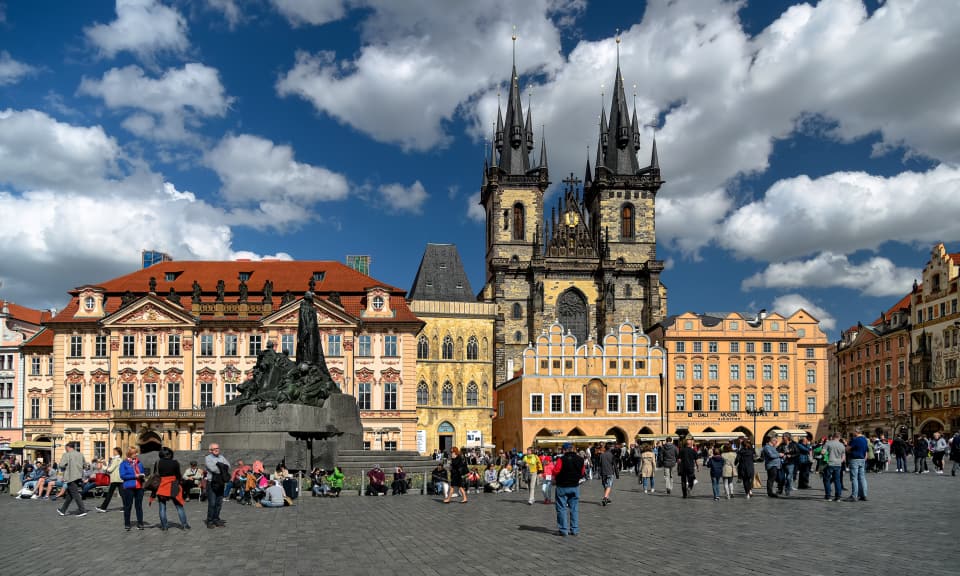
(377,303)
(244,276)
(89,303)
(170,276)
(318,276)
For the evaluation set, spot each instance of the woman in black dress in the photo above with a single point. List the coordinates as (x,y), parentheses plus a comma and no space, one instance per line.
(744,464)
(458,469)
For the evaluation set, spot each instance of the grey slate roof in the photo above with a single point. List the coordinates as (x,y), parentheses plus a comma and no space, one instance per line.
(441,276)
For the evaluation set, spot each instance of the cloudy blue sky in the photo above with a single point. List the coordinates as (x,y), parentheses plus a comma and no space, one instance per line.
(811,151)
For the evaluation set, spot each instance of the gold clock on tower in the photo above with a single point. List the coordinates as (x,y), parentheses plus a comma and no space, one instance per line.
(571,218)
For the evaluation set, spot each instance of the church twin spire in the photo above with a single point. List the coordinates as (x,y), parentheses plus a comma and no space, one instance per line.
(513,135)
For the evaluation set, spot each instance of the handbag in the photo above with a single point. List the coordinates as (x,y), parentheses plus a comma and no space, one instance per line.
(757,483)
(153,482)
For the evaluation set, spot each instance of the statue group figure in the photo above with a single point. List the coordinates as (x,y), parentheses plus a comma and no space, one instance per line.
(277,379)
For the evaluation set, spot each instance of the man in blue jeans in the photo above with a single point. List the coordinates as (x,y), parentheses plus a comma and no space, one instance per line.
(567,472)
(856,460)
(835,452)
(213,462)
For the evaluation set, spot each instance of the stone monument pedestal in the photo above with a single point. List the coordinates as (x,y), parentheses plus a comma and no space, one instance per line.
(304,436)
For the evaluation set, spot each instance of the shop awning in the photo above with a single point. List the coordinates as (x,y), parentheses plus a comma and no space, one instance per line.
(651,437)
(30,445)
(717,435)
(795,433)
(575,440)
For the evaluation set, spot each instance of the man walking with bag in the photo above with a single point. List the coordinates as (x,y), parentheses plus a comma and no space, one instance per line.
(71,464)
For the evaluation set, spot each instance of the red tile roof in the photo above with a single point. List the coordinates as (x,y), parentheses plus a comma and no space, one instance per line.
(955,258)
(25,314)
(286,275)
(903,303)
(42,339)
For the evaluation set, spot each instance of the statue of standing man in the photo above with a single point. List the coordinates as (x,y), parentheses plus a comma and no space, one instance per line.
(308,334)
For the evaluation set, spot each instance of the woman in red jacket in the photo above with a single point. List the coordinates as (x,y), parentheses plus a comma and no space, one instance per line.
(169,490)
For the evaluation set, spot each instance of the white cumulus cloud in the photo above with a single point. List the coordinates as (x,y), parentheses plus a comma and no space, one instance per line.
(178,98)
(475,211)
(313,12)
(788,304)
(877,276)
(143,27)
(258,173)
(402,198)
(12,71)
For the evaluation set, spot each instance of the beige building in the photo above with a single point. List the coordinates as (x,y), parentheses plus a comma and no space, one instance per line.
(454,355)
(611,389)
(137,359)
(935,385)
(724,367)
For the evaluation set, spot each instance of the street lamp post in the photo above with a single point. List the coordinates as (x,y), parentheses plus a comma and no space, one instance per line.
(755,412)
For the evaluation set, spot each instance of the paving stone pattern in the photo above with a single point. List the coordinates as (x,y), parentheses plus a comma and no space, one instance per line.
(909,526)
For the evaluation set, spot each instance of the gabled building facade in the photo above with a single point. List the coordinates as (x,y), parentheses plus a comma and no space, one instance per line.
(935,386)
(454,354)
(591,390)
(874,374)
(138,359)
(591,264)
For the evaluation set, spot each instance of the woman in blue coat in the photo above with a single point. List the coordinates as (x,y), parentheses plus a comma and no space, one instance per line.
(132,474)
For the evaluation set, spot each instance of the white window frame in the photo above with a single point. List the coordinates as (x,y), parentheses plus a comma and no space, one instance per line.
(570,403)
(626,406)
(540,411)
(560,396)
(617,396)
(656,398)
(678,399)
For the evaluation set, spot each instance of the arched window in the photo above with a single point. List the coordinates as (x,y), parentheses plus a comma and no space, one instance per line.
(447,348)
(518,221)
(446,398)
(517,311)
(572,313)
(626,221)
(423,394)
(472,394)
(423,348)
(473,350)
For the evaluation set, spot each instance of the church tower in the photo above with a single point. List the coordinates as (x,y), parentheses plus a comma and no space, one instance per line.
(512,197)
(591,263)
(620,198)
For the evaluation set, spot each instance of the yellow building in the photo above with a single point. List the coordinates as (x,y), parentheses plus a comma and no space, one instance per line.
(722,368)
(137,359)
(608,389)
(454,355)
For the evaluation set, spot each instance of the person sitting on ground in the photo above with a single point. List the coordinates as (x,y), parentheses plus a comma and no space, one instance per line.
(376,481)
(238,482)
(37,481)
(441,483)
(507,478)
(335,478)
(192,478)
(490,482)
(274,496)
(473,480)
(399,484)
(318,482)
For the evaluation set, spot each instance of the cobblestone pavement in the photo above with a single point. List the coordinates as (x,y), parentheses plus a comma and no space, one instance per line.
(909,526)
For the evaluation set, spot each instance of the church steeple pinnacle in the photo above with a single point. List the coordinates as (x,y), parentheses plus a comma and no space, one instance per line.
(619,138)
(516,144)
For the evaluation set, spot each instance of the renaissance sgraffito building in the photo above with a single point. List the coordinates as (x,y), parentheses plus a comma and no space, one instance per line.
(591,263)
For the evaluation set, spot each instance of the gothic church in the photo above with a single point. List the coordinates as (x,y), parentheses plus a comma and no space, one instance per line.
(592,263)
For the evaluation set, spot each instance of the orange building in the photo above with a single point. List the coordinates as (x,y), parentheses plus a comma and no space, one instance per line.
(724,367)
(137,359)
(595,390)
